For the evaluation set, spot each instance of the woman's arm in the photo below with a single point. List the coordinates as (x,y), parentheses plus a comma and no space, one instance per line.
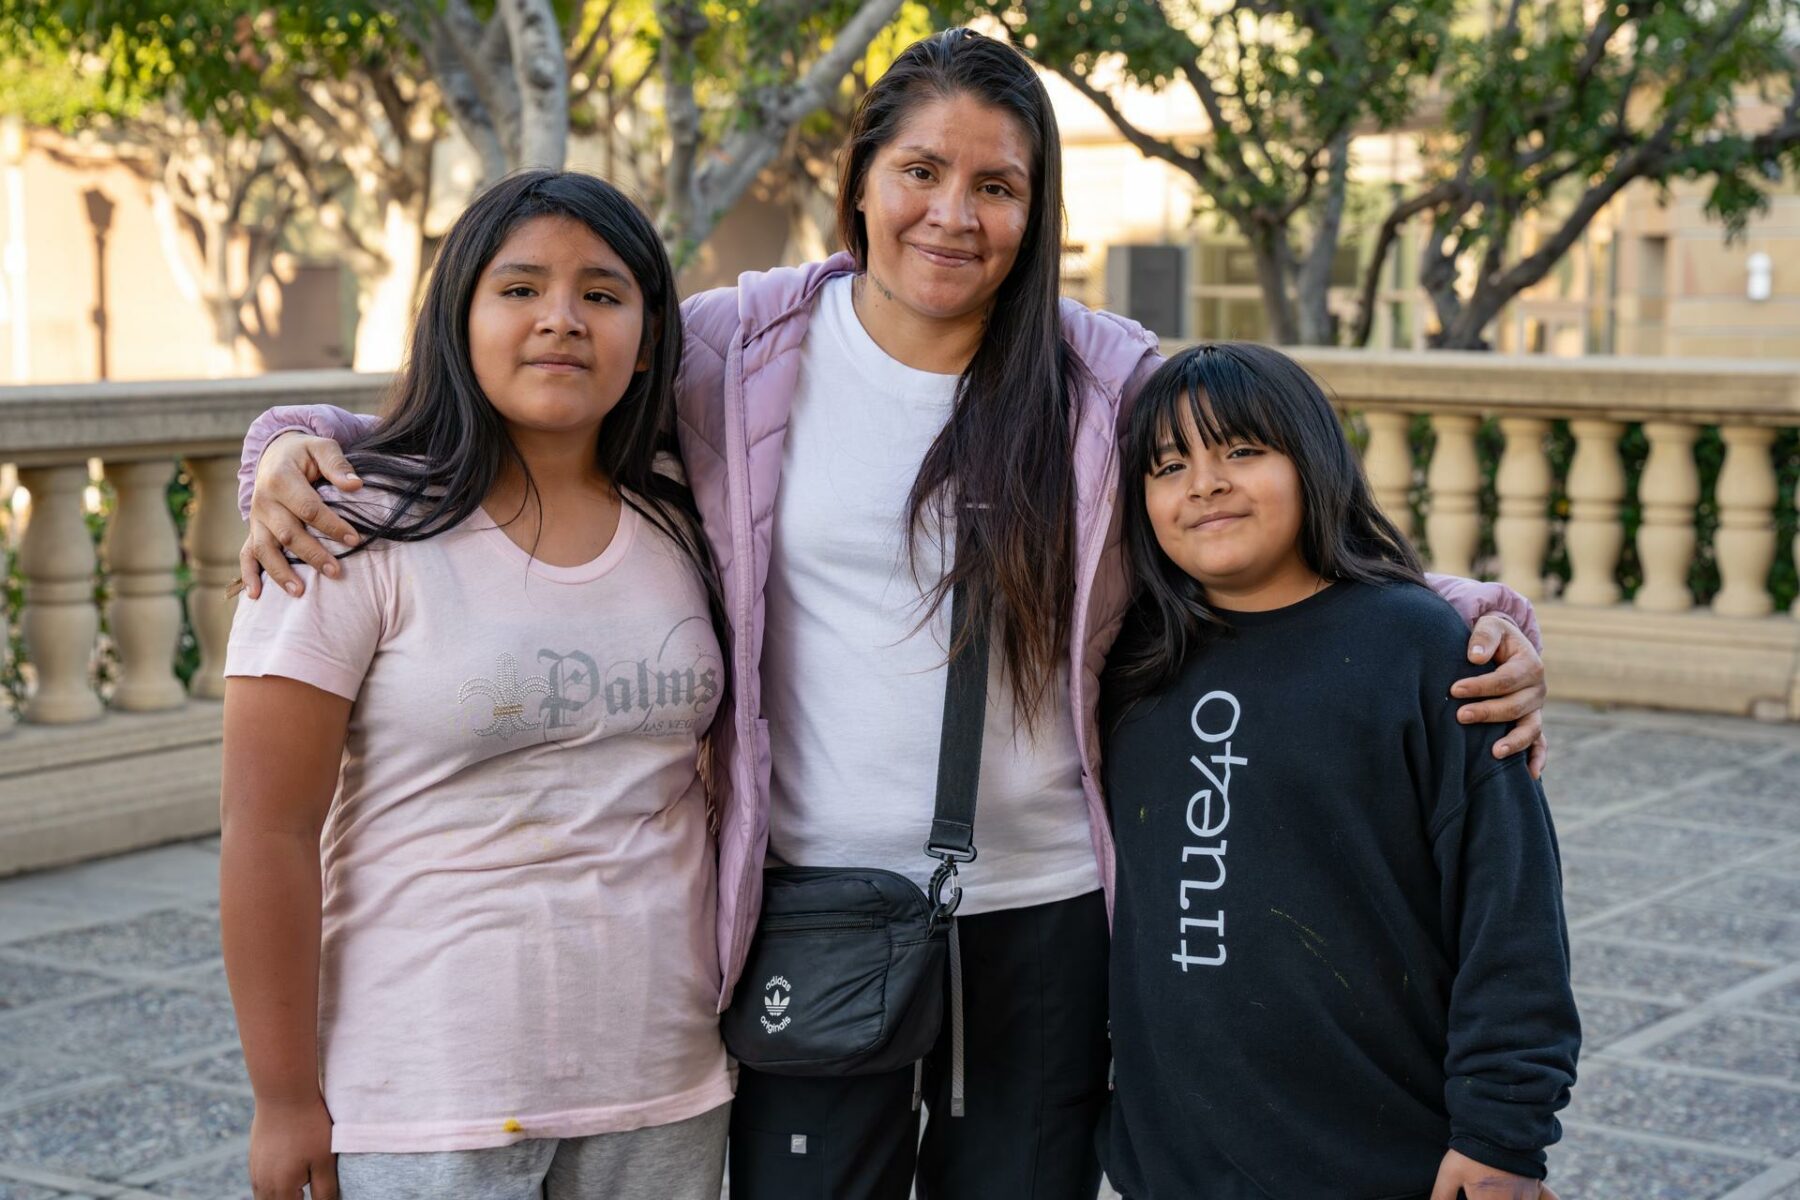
(1505,633)
(276,492)
(284,741)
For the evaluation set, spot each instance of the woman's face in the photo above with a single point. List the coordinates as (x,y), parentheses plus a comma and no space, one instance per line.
(1229,515)
(556,328)
(946,203)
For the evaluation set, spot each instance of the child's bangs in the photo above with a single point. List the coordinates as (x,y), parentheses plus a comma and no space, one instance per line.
(1212,394)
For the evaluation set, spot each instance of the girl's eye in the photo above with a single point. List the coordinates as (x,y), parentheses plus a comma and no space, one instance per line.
(1248,450)
(1164,469)
(517,289)
(603,297)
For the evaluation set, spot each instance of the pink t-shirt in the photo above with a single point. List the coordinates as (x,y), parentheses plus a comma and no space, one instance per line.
(519,883)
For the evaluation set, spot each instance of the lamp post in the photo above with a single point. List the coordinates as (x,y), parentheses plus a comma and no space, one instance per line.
(100,214)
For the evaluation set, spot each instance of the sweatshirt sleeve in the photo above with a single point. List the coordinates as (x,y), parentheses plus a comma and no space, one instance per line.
(1513,1029)
(321,420)
(1473,599)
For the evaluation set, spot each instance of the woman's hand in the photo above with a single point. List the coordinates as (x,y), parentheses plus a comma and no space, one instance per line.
(1460,1176)
(290,1148)
(1517,683)
(285,502)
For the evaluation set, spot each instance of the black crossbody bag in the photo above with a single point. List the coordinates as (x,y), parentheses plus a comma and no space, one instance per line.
(846,973)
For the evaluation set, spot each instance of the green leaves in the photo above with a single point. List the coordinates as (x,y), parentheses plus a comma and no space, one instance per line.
(223,61)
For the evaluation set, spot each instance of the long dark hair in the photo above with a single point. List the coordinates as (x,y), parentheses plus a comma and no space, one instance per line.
(441,445)
(1002,464)
(1234,391)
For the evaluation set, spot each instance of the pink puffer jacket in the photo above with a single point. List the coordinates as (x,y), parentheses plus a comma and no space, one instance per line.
(739,372)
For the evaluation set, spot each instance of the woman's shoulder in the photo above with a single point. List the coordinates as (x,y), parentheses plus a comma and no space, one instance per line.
(758,298)
(1110,346)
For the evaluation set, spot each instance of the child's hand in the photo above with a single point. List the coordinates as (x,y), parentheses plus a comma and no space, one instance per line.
(1460,1176)
(290,1148)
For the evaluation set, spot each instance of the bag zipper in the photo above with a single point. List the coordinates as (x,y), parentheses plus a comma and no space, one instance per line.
(821,923)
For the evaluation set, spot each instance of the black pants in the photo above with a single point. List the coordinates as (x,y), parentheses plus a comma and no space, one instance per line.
(1035,1060)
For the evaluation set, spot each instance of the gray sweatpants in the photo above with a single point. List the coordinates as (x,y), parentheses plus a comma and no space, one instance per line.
(682,1161)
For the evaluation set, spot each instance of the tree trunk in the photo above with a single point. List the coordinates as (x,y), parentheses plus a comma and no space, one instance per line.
(223,358)
(1268,247)
(537,57)
(1314,285)
(386,296)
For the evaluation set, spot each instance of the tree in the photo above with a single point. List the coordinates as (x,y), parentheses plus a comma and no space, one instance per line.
(362,123)
(736,80)
(213,177)
(1558,108)
(793,56)
(1283,87)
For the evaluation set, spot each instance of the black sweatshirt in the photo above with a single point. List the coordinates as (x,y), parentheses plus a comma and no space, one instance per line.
(1338,945)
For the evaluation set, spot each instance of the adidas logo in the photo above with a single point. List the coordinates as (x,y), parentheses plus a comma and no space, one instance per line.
(776,1001)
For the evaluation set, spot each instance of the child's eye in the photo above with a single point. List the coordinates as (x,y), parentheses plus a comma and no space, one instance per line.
(1245,450)
(603,297)
(517,289)
(1157,472)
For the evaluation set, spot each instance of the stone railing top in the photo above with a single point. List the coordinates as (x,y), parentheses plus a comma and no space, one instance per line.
(1700,390)
(122,421)
(119,421)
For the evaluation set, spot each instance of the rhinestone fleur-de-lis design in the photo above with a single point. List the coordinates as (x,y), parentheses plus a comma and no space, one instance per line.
(507,692)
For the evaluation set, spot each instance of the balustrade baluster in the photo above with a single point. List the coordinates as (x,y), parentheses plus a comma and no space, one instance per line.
(144,615)
(1388,465)
(215,533)
(1668,490)
(1595,536)
(1745,542)
(60,621)
(1522,522)
(1453,512)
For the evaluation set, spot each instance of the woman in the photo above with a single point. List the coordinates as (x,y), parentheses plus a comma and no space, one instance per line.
(825,411)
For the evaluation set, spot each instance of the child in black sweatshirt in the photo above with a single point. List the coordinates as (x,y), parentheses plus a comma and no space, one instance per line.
(1339,959)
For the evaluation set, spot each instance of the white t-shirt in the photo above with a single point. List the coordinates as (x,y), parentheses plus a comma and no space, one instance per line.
(853,686)
(519,886)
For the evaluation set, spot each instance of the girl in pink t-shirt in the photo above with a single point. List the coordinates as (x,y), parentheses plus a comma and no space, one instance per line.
(467,882)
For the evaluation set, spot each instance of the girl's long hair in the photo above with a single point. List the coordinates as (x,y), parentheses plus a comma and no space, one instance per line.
(1227,392)
(441,445)
(1002,464)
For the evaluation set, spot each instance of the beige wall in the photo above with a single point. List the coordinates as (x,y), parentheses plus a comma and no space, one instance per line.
(157,327)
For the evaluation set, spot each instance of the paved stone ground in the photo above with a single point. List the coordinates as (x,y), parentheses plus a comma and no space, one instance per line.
(120,1074)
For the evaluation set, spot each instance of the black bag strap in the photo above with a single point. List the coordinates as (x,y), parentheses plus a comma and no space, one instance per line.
(952,837)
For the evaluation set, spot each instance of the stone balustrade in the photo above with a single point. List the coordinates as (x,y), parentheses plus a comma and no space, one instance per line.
(109,749)
(1661,647)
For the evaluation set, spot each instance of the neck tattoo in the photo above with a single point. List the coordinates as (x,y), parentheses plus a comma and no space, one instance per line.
(868,277)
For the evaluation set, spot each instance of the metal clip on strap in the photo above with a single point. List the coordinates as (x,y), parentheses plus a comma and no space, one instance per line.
(952,838)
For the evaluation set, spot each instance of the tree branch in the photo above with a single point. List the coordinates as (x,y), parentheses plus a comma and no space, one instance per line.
(1395,221)
(463,94)
(743,155)
(1193,165)
(578,60)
